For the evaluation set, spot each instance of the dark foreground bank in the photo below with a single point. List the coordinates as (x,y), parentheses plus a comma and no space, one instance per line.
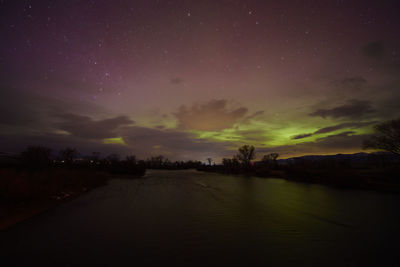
(25,193)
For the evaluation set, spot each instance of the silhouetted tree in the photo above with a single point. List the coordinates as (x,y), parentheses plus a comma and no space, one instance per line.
(95,156)
(209,160)
(226,162)
(270,158)
(36,157)
(113,158)
(274,156)
(246,154)
(386,137)
(131,159)
(157,161)
(69,155)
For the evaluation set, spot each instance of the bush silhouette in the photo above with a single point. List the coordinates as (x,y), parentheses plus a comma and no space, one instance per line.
(36,157)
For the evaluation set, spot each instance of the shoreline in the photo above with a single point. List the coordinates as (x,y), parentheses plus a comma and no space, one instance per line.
(25,195)
(366,184)
(17,212)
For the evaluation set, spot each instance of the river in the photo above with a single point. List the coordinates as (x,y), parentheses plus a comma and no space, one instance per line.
(195,218)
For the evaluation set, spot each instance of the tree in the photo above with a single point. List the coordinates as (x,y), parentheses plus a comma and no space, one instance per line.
(386,137)
(267,159)
(131,160)
(246,154)
(231,165)
(36,157)
(69,154)
(209,160)
(157,161)
(95,156)
(113,158)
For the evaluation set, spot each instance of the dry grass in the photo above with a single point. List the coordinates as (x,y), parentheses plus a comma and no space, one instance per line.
(24,194)
(24,185)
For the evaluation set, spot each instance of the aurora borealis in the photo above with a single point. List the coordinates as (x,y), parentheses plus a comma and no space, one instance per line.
(197,79)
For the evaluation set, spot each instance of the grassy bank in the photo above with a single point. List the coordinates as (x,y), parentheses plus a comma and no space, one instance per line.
(378,179)
(24,194)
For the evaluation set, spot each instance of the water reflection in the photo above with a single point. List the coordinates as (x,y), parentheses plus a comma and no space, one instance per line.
(194,218)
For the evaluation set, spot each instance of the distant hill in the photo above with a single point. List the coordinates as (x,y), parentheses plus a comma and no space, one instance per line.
(361,157)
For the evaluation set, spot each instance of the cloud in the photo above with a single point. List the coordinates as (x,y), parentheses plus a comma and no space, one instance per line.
(346,142)
(301,136)
(86,127)
(347,125)
(140,141)
(252,135)
(211,116)
(176,80)
(172,143)
(26,111)
(343,126)
(334,136)
(18,142)
(350,83)
(352,109)
(374,50)
(17,109)
(255,115)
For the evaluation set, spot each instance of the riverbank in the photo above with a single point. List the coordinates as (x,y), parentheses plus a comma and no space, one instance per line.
(25,194)
(378,179)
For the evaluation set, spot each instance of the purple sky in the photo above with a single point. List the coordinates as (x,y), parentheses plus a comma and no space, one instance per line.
(197,79)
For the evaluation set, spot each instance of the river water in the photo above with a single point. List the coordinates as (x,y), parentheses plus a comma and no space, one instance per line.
(194,218)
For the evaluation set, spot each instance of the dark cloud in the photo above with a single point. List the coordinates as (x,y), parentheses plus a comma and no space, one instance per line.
(343,126)
(381,60)
(252,135)
(141,141)
(18,142)
(17,109)
(255,115)
(22,109)
(211,116)
(172,143)
(301,136)
(347,125)
(346,142)
(352,109)
(176,80)
(86,127)
(350,83)
(334,136)
(374,50)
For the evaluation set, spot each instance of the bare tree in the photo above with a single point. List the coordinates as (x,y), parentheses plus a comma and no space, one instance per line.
(209,160)
(267,159)
(131,159)
(246,154)
(386,137)
(113,158)
(36,157)
(69,154)
(95,156)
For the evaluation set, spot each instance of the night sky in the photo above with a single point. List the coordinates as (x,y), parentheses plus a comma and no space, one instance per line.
(197,79)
